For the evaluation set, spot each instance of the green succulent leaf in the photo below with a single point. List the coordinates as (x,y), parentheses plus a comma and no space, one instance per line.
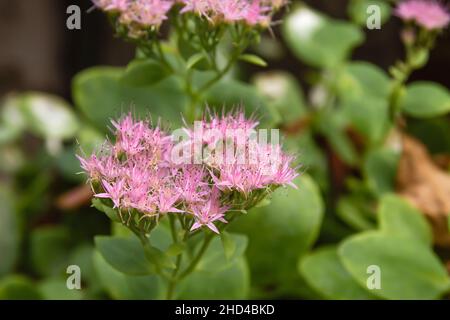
(318,40)
(122,286)
(126,255)
(426,99)
(9,230)
(99,94)
(359,11)
(408,269)
(18,287)
(397,217)
(292,220)
(144,73)
(253,59)
(324,272)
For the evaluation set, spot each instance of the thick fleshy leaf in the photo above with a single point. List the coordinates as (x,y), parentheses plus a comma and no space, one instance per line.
(361,10)
(50,250)
(121,286)
(285,100)
(100,96)
(380,168)
(231,282)
(319,40)
(397,217)
(126,255)
(110,212)
(352,211)
(49,116)
(56,289)
(281,232)
(408,269)
(216,258)
(143,73)
(323,270)
(231,93)
(426,99)
(253,59)
(363,94)
(17,287)
(9,231)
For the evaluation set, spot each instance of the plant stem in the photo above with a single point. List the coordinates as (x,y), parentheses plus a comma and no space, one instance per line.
(196,260)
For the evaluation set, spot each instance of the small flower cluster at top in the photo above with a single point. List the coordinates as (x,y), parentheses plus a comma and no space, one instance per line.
(144,14)
(138,175)
(428,14)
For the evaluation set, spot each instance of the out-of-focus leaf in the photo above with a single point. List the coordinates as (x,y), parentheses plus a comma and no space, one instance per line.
(398,218)
(292,220)
(319,40)
(56,289)
(12,120)
(333,128)
(89,139)
(253,59)
(285,100)
(434,133)
(110,212)
(69,165)
(229,245)
(9,231)
(100,96)
(125,255)
(12,158)
(17,287)
(363,93)
(426,99)
(351,211)
(121,286)
(194,59)
(231,282)
(323,270)
(216,258)
(408,269)
(50,250)
(143,73)
(49,116)
(359,11)
(380,168)
(231,93)
(83,256)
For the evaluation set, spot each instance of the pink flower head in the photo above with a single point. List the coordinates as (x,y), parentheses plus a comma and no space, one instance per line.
(112,5)
(257,14)
(199,7)
(114,191)
(210,212)
(135,170)
(429,14)
(146,13)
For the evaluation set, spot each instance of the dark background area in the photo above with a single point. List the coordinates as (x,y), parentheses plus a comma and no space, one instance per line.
(38,52)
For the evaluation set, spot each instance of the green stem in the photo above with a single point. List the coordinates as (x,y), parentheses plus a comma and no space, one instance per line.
(196,260)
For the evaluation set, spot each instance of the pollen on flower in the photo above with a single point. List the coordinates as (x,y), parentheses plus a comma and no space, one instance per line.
(429,14)
(136,171)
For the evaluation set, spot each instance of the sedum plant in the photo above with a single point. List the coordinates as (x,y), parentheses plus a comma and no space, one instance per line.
(146,180)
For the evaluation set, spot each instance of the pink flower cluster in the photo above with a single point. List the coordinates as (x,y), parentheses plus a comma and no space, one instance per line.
(149,13)
(136,172)
(251,12)
(429,14)
(145,13)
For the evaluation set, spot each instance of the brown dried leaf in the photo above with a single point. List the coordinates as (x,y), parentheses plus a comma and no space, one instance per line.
(75,198)
(426,186)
